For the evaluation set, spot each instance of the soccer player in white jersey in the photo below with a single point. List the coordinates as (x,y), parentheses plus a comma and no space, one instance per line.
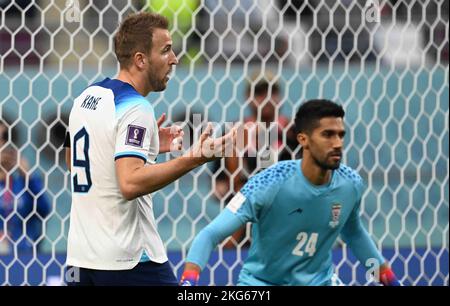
(297,209)
(112,144)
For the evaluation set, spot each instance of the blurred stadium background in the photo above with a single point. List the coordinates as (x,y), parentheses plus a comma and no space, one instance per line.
(386,61)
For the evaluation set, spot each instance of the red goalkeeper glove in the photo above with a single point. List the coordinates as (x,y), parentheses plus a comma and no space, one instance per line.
(189,278)
(388,278)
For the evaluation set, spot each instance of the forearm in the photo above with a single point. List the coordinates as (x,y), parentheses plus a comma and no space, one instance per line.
(201,249)
(224,225)
(365,250)
(363,246)
(150,178)
(198,256)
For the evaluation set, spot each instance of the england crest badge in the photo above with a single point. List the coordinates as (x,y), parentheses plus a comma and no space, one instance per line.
(335,213)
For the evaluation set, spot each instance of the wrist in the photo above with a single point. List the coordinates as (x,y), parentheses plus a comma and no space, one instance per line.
(189,278)
(388,278)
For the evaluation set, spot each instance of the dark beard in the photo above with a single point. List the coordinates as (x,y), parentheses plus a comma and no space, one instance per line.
(157,85)
(324,165)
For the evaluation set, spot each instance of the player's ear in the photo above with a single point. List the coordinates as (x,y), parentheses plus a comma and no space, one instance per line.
(139,60)
(302,139)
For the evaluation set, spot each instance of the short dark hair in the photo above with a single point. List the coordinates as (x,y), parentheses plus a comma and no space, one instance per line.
(310,113)
(135,34)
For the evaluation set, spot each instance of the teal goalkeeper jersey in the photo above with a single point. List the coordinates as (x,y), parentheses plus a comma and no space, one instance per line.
(295,225)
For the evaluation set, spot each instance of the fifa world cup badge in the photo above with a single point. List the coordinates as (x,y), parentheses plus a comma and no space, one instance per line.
(335,213)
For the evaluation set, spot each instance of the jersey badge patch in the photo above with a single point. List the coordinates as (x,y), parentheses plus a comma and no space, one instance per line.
(135,136)
(335,214)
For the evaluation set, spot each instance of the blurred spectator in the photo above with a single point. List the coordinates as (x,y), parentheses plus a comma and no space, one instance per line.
(297,17)
(422,25)
(23,204)
(238,31)
(20,19)
(340,33)
(405,31)
(263,93)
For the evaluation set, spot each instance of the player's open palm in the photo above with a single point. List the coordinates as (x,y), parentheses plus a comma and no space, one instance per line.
(170,138)
(208,148)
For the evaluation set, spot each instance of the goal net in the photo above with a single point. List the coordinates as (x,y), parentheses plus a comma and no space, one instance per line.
(385,61)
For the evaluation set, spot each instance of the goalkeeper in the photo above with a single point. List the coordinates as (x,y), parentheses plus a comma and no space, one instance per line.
(298,208)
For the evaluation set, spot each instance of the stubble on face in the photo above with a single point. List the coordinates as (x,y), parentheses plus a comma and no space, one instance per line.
(160,60)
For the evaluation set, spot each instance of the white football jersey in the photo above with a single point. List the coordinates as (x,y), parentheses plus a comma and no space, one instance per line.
(110,120)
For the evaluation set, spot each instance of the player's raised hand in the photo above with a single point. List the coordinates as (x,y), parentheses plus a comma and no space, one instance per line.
(215,148)
(208,148)
(170,138)
(196,149)
(161,120)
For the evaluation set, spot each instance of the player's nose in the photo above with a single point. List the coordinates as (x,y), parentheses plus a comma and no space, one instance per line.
(173,59)
(337,143)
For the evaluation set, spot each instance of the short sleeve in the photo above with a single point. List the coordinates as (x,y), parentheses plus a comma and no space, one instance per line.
(136,125)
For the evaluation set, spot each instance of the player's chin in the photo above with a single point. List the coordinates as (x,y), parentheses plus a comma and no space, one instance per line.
(335,166)
(334,163)
(161,86)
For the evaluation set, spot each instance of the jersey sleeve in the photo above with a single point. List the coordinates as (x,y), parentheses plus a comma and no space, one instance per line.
(225,224)
(136,125)
(355,234)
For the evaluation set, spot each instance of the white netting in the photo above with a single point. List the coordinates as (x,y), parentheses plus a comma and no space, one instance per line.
(386,61)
